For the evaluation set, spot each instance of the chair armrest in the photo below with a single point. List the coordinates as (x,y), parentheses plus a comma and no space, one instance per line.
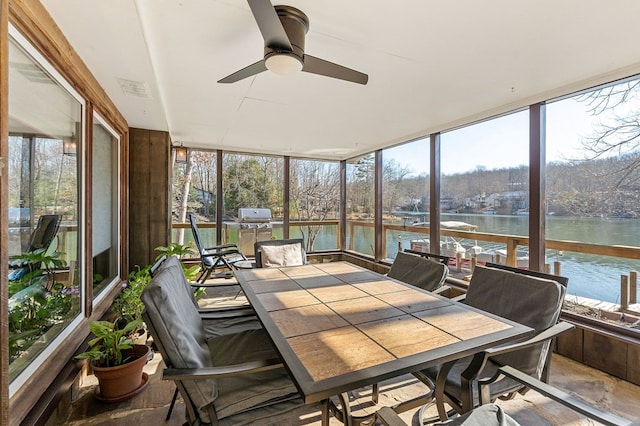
(480,359)
(223,246)
(388,417)
(221,371)
(564,398)
(230,312)
(220,252)
(547,334)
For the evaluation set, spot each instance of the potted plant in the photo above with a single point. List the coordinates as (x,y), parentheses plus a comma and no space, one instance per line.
(116,361)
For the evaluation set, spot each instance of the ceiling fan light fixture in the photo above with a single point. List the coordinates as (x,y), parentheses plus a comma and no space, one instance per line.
(283,63)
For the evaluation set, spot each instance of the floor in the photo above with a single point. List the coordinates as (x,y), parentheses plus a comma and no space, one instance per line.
(151,405)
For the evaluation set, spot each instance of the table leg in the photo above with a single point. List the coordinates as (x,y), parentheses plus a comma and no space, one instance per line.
(324,412)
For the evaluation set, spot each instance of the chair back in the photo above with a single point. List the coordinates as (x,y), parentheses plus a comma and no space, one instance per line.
(207,262)
(535,301)
(45,232)
(288,252)
(177,328)
(418,271)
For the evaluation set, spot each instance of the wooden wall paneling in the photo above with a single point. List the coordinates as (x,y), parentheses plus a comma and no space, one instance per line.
(633,364)
(159,187)
(605,353)
(139,197)
(149,212)
(570,344)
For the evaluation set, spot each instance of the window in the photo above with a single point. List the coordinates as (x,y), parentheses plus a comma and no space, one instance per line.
(593,186)
(106,206)
(405,194)
(255,182)
(194,191)
(315,197)
(360,204)
(485,187)
(44,180)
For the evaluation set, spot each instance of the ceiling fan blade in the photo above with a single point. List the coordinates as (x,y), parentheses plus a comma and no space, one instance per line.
(320,66)
(270,26)
(245,72)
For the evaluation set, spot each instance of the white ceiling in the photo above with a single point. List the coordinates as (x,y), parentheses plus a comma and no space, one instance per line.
(432,65)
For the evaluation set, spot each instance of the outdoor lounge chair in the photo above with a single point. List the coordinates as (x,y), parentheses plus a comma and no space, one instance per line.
(491,414)
(516,295)
(418,271)
(280,253)
(213,258)
(41,238)
(230,379)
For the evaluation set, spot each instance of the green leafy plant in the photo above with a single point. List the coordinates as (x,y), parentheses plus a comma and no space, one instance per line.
(108,348)
(128,305)
(190,272)
(37,303)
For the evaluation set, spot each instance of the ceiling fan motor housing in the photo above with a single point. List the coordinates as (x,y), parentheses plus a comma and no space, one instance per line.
(296,25)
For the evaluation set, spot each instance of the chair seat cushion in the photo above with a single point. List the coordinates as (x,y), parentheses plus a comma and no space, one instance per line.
(241,393)
(486,415)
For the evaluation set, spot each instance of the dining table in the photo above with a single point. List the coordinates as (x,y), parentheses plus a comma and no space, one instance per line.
(338,326)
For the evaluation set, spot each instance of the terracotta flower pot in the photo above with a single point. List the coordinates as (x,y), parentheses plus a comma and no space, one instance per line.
(123,381)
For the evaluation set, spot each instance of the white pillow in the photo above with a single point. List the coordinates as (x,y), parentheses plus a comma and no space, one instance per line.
(284,255)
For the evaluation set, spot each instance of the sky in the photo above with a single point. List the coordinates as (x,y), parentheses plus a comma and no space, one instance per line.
(502,142)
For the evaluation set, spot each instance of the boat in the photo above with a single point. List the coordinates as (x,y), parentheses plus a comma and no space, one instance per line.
(449,246)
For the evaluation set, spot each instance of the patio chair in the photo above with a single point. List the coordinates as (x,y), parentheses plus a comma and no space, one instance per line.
(213,258)
(418,271)
(492,414)
(241,310)
(226,379)
(534,301)
(288,252)
(41,238)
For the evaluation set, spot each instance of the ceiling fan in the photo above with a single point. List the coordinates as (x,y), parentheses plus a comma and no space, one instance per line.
(283,29)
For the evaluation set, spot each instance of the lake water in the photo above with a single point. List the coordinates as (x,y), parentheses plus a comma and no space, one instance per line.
(591,276)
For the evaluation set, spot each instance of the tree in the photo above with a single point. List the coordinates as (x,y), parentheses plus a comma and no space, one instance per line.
(618,132)
(314,195)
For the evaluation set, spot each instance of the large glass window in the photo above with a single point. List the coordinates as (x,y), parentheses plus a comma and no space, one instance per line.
(314,194)
(360,204)
(252,182)
(105,208)
(485,189)
(44,180)
(405,195)
(593,153)
(194,191)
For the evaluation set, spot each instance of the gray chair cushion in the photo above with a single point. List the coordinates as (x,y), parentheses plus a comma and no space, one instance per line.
(535,302)
(178,328)
(485,415)
(418,271)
